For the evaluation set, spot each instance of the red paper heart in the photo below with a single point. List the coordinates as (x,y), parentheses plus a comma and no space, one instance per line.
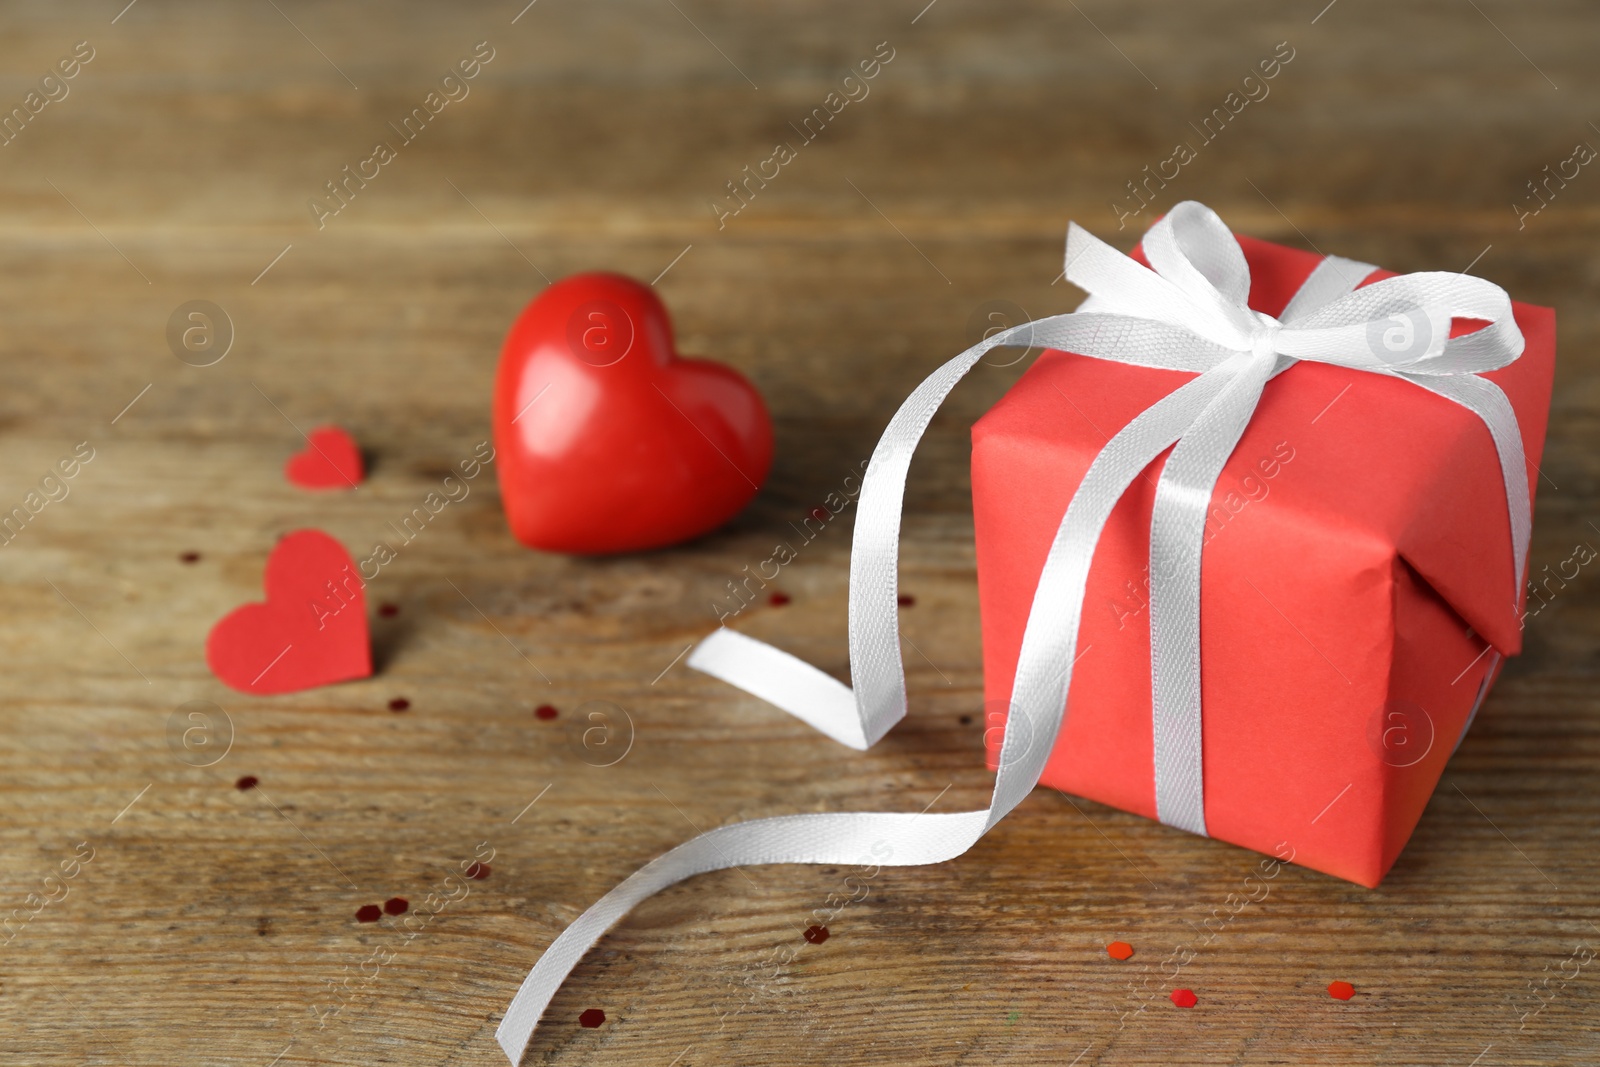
(606,441)
(311,631)
(330,460)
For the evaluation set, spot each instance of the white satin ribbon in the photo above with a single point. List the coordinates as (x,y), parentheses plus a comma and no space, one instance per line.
(1186,312)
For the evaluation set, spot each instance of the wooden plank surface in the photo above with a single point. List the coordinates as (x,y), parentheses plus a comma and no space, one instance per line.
(217,925)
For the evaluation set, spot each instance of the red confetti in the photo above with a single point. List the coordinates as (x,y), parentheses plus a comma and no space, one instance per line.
(399,704)
(247,782)
(821,514)
(778,600)
(545,712)
(368,913)
(1341,990)
(592,1018)
(816,934)
(190,557)
(396,905)
(905,600)
(1119,950)
(388,611)
(478,871)
(1184,998)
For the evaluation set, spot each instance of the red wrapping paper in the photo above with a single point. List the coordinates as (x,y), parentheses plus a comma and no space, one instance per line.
(1357,583)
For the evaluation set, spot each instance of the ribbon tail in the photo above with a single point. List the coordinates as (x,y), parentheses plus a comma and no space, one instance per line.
(861,716)
(878,700)
(814,697)
(828,838)
(1038,707)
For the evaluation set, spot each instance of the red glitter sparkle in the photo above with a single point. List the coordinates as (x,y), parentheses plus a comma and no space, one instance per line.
(592,1018)
(905,600)
(399,704)
(1341,990)
(368,913)
(190,557)
(778,600)
(396,905)
(821,514)
(1119,950)
(1184,998)
(247,782)
(816,934)
(388,611)
(545,712)
(478,871)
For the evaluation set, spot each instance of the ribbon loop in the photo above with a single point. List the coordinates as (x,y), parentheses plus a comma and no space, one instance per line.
(1193,249)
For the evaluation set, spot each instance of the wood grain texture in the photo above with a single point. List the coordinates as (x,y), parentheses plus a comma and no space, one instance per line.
(215,925)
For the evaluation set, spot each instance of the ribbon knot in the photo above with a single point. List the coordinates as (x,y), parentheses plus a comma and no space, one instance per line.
(1264,338)
(1187,311)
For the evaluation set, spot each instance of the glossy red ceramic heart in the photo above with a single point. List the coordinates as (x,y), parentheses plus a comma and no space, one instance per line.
(606,441)
(310,631)
(330,460)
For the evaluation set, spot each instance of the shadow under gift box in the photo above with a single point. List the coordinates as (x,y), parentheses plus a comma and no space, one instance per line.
(1346,594)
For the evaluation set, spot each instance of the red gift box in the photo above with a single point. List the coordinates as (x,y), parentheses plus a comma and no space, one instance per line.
(1355,547)
(1356,593)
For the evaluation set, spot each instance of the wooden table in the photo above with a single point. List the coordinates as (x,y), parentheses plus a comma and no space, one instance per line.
(213,924)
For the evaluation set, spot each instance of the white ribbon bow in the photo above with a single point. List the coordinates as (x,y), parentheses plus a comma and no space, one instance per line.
(1186,312)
